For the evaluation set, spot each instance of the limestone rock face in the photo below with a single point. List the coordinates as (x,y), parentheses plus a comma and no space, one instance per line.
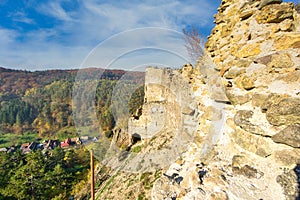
(288,40)
(267,2)
(288,156)
(281,60)
(241,167)
(289,136)
(227,127)
(234,72)
(244,82)
(252,143)
(242,119)
(248,50)
(236,96)
(275,13)
(255,49)
(121,138)
(283,111)
(219,196)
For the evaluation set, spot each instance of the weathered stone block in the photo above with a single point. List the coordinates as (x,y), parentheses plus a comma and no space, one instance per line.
(219,18)
(288,40)
(265,60)
(268,2)
(246,14)
(282,110)
(219,196)
(244,82)
(253,143)
(248,172)
(212,114)
(242,119)
(241,166)
(275,13)
(259,99)
(288,157)
(224,5)
(234,72)
(281,60)
(235,97)
(287,25)
(289,136)
(187,110)
(248,50)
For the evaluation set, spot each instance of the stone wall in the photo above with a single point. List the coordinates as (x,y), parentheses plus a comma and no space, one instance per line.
(255,46)
(168,99)
(166,128)
(248,94)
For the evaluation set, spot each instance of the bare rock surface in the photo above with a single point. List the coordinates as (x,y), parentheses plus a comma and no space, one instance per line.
(227,127)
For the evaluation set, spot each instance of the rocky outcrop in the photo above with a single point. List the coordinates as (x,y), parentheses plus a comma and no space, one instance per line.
(169,117)
(257,51)
(236,112)
(254,50)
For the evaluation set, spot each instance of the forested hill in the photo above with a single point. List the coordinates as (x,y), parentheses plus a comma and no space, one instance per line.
(40,102)
(18,81)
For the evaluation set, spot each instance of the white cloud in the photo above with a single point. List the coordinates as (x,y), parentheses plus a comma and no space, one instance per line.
(81,29)
(7,36)
(54,9)
(21,17)
(139,46)
(168,14)
(37,52)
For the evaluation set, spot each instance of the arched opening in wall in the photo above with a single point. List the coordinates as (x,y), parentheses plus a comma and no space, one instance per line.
(135,138)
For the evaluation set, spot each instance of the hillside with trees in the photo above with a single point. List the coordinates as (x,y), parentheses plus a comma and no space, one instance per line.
(41,102)
(56,175)
(36,106)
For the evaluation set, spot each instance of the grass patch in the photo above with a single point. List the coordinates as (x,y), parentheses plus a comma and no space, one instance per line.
(141,196)
(136,149)
(66,132)
(10,139)
(107,184)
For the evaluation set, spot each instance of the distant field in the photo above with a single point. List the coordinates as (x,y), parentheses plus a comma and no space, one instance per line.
(9,139)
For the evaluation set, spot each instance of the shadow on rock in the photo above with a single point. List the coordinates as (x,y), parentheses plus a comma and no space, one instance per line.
(297,172)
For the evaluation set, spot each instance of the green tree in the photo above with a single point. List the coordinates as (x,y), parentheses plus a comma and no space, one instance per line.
(5,167)
(26,181)
(56,182)
(57,158)
(136,100)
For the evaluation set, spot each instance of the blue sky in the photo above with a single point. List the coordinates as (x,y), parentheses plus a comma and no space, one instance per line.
(48,34)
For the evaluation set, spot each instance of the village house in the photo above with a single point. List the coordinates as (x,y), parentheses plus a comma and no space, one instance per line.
(66,143)
(51,144)
(28,147)
(3,150)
